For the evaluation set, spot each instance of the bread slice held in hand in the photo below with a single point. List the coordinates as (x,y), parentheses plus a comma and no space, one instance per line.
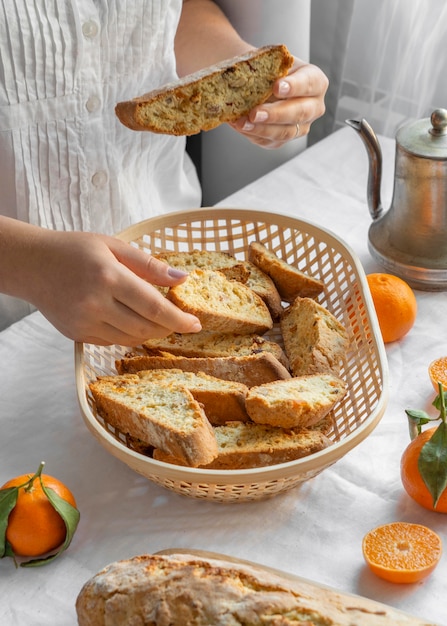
(164,416)
(221,304)
(201,101)
(297,402)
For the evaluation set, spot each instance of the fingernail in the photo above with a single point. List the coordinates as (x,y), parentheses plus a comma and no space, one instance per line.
(248,126)
(196,327)
(175,273)
(261,116)
(283,88)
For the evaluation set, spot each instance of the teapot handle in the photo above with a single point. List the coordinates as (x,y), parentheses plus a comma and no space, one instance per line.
(375,165)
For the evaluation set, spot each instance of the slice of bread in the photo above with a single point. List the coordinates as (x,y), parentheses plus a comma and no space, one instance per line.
(289,280)
(314,340)
(243,445)
(222,400)
(201,101)
(254,369)
(207,260)
(296,403)
(210,344)
(221,304)
(164,416)
(234,269)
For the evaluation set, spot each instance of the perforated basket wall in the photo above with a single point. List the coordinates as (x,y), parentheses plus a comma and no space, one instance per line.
(313,250)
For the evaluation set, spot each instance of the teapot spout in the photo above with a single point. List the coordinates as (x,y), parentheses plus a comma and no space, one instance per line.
(375,165)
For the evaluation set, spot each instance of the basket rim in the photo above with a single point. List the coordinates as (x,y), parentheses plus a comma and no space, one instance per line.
(311,463)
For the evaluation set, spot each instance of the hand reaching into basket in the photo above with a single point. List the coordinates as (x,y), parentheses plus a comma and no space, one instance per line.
(92,288)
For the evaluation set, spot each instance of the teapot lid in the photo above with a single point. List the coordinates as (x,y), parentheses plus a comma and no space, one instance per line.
(426,137)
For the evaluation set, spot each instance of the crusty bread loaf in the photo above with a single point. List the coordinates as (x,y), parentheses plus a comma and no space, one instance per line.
(242,445)
(164,416)
(214,344)
(295,403)
(221,304)
(314,340)
(194,590)
(289,280)
(254,369)
(201,101)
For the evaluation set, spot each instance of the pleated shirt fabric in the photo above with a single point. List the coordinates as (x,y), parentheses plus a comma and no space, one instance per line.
(66,162)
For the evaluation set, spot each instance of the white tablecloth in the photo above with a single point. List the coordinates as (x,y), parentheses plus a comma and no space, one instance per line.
(314,531)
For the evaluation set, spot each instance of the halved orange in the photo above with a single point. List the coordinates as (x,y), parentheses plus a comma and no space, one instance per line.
(437,370)
(401,552)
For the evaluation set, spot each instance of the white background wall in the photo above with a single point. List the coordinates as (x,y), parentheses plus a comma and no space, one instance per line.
(229,161)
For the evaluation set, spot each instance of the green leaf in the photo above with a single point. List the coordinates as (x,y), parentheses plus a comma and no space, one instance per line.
(432,462)
(417,419)
(8,499)
(69,514)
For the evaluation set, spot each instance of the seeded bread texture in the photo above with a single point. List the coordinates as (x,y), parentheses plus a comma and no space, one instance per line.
(221,304)
(251,370)
(289,280)
(210,344)
(314,340)
(298,402)
(191,590)
(201,101)
(164,416)
(242,445)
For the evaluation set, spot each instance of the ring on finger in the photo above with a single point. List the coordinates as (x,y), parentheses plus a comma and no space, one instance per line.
(297,132)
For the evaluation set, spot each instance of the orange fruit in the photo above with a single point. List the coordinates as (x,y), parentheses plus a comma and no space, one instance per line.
(411,477)
(437,370)
(395,305)
(401,552)
(34,526)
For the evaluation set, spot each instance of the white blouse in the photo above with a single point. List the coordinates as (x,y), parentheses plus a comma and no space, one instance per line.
(66,162)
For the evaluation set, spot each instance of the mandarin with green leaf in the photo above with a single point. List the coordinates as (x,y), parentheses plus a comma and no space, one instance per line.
(38,515)
(412,480)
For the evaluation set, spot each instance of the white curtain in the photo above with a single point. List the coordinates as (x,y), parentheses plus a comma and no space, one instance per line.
(386,60)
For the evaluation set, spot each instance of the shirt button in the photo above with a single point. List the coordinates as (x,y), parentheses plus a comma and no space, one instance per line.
(90,29)
(93,104)
(100,178)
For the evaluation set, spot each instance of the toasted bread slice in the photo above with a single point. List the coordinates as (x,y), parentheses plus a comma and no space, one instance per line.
(255,369)
(209,344)
(164,416)
(295,403)
(314,340)
(289,280)
(201,101)
(245,445)
(221,304)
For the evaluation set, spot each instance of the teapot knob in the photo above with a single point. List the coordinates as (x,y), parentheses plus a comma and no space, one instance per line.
(439,122)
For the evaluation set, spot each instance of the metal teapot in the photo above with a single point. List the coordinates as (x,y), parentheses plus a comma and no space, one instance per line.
(410,238)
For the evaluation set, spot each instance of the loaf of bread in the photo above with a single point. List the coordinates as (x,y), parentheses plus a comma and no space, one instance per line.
(314,340)
(289,280)
(220,304)
(251,370)
(193,590)
(208,344)
(295,403)
(164,416)
(242,445)
(201,101)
